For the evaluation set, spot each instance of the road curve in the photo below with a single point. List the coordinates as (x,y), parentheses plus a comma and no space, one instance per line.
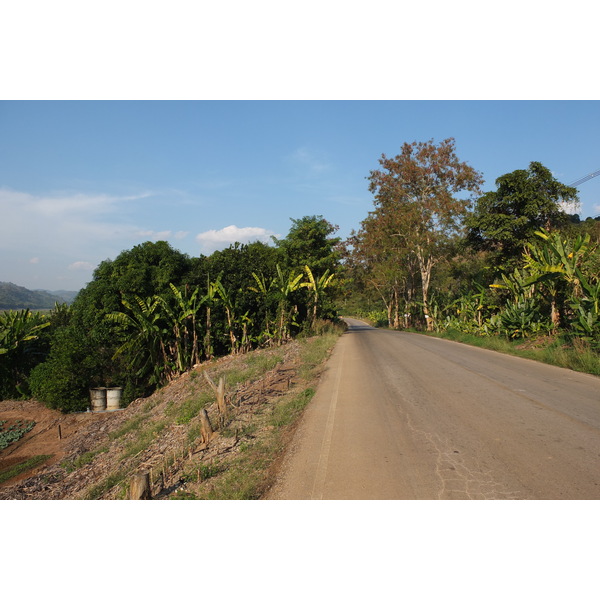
(404,416)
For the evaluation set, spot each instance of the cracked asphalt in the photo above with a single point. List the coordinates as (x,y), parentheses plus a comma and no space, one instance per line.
(405,416)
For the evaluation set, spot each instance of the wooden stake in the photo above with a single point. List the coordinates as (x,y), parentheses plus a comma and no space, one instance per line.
(139,488)
(207,430)
(59,433)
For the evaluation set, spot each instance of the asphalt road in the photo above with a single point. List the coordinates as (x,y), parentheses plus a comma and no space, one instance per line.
(405,416)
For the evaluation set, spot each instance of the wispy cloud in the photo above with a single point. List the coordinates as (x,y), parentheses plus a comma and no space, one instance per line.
(216,239)
(81,265)
(154,235)
(58,228)
(310,160)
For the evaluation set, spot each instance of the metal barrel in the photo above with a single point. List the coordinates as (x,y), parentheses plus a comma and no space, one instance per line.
(113,398)
(98,399)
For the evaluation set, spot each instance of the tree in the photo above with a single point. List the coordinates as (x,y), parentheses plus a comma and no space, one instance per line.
(379,260)
(415,193)
(525,201)
(309,242)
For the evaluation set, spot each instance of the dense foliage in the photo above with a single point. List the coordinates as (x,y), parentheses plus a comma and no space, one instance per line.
(153,312)
(512,263)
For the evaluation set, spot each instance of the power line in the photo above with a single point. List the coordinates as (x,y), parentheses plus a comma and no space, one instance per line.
(584,179)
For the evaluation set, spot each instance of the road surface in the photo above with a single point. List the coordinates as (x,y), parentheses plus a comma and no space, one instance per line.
(405,416)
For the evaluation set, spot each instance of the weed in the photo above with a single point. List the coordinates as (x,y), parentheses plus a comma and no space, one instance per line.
(128,426)
(84,459)
(95,492)
(191,407)
(286,412)
(143,439)
(17,469)
(257,364)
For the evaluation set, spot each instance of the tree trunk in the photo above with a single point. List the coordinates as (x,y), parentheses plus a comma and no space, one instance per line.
(425,266)
(207,430)
(139,487)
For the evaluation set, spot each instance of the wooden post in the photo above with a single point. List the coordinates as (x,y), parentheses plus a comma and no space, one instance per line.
(219,392)
(59,433)
(221,397)
(139,488)
(207,430)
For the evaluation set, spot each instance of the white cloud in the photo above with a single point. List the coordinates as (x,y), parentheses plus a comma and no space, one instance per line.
(217,239)
(570,208)
(596,208)
(154,235)
(57,228)
(81,265)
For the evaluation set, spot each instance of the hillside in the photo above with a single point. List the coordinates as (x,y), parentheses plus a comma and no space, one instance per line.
(96,455)
(14,297)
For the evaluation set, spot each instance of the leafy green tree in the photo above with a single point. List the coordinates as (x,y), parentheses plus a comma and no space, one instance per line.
(503,221)
(233,267)
(62,380)
(420,195)
(310,242)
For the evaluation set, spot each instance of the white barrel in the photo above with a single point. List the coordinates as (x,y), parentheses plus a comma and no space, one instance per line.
(113,398)
(98,399)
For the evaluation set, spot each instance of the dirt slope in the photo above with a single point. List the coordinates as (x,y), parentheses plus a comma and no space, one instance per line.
(97,453)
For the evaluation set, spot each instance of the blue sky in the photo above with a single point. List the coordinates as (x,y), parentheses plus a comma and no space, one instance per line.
(81,181)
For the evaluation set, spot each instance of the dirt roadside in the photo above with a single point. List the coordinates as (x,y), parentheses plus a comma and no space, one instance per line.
(150,434)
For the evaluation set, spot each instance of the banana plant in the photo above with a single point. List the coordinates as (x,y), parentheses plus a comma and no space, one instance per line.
(146,341)
(285,285)
(182,319)
(228,303)
(18,327)
(209,300)
(317,287)
(18,349)
(554,265)
(266,290)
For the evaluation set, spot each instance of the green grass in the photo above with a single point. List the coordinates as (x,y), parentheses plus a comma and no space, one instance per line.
(190,408)
(286,412)
(84,459)
(130,425)
(106,484)
(256,365)
(143,439)
(314,352)
(23,467)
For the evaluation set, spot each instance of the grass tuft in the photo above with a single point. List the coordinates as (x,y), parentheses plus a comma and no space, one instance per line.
(23,467)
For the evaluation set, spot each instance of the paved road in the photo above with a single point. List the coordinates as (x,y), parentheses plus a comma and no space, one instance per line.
(405,416)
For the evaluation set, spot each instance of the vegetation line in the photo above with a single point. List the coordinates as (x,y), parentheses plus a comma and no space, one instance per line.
(23,467)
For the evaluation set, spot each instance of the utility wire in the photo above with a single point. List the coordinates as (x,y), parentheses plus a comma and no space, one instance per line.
(584,179)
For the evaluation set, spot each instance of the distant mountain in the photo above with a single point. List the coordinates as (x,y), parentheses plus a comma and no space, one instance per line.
(67,295)
(14,297)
